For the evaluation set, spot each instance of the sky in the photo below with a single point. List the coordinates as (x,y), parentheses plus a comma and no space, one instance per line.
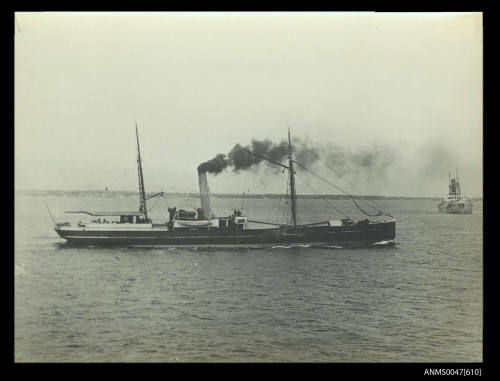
(390,103)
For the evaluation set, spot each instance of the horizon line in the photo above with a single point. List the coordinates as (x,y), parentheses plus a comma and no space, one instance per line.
(196,194)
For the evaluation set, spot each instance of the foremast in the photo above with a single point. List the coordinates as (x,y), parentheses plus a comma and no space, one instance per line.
(142,192)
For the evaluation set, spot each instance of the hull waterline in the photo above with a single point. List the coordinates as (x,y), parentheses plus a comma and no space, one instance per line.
(462,206)
(453,202)
(202,228)
(357,235)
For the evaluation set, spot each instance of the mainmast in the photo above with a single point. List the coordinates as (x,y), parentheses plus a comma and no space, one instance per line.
(293,197)
(142,193)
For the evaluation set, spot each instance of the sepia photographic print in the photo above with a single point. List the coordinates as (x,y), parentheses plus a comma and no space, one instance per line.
(248,187)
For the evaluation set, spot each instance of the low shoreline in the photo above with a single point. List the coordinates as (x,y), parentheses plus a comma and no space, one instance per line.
(113,193)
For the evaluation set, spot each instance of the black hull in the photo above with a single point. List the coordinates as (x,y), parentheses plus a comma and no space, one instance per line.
(344,236)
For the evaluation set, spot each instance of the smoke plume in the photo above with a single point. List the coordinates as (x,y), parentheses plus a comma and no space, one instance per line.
(376,168)
(437,160)
(369,162)
(242,158)
(215,165)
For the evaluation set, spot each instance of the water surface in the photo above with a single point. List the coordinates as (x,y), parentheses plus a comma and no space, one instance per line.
(420,301)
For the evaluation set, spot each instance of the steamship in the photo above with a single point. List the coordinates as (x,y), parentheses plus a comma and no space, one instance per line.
(202,228)
(453,202)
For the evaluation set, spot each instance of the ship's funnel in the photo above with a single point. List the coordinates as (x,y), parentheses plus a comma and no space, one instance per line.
(204,195)
(453,187)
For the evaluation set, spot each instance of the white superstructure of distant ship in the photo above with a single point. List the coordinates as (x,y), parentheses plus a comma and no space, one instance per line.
(453,202)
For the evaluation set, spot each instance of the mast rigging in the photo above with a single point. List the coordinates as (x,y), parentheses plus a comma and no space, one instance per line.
(142,193)
(347,193)
(293,196)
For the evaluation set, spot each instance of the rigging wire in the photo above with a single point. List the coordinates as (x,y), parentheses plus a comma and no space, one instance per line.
(287,201)
(243,208)
(282,203)
(374,205)
(274,202)
(325,199)
(154,203)
(344,191)
(379,213)
(286,211)
(86,204)
(165,205)
(297,215)
(182,195)
(250,201)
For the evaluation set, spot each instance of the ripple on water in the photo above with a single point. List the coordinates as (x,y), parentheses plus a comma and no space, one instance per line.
(420,300)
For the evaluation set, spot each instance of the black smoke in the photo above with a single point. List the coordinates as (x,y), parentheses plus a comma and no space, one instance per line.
(370,162)
(215,165)
(242,158)
(376,167)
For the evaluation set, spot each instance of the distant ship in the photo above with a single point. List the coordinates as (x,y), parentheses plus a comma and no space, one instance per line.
(453,202)
(202,227)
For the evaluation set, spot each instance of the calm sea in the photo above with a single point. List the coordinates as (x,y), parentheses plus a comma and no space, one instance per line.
(420,301)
